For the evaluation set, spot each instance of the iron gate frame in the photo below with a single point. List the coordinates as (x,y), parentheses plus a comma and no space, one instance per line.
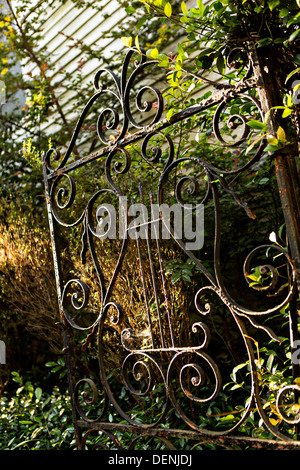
(258,77)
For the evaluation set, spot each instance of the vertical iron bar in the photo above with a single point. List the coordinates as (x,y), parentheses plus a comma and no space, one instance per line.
(67,350)
(144,288)
(265,68)
(285,164)
(153,276)
(163,278)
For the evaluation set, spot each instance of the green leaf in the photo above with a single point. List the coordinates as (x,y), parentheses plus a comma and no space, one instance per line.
(184,9)
(205,62)
(170,113)
(227,417)
(272,140)
(163,60)
(271,148)
(254,143)
(287,112)
(264,181)
(293,20)
(154,53)
(270,362)
(294,35)
(38,393)
(141,22)
(201,7)
(168,10)
(176,277)
(293,72)
(238,367)
(289,101)
(127,41)
(180,50)
(130,10)
(235,387)
(16,377)
(221,64)
(185,19)
(273,3)
(256,125)
(36,432)
(137,44)
(281,134)
(283,12)
(264,42)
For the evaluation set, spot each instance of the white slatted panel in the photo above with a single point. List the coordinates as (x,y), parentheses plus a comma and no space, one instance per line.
(88,25)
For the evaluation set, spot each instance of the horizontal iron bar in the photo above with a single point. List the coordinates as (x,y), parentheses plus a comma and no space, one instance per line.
(159,126)
(224,440)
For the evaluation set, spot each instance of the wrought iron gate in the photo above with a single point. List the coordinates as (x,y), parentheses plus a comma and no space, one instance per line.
(148,357)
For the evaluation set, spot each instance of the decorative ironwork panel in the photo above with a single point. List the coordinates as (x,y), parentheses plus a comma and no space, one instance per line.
(154,326)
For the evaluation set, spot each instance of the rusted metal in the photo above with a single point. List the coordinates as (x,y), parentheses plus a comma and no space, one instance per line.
(229,442)
(287,178)
(286,170)
(158,369)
